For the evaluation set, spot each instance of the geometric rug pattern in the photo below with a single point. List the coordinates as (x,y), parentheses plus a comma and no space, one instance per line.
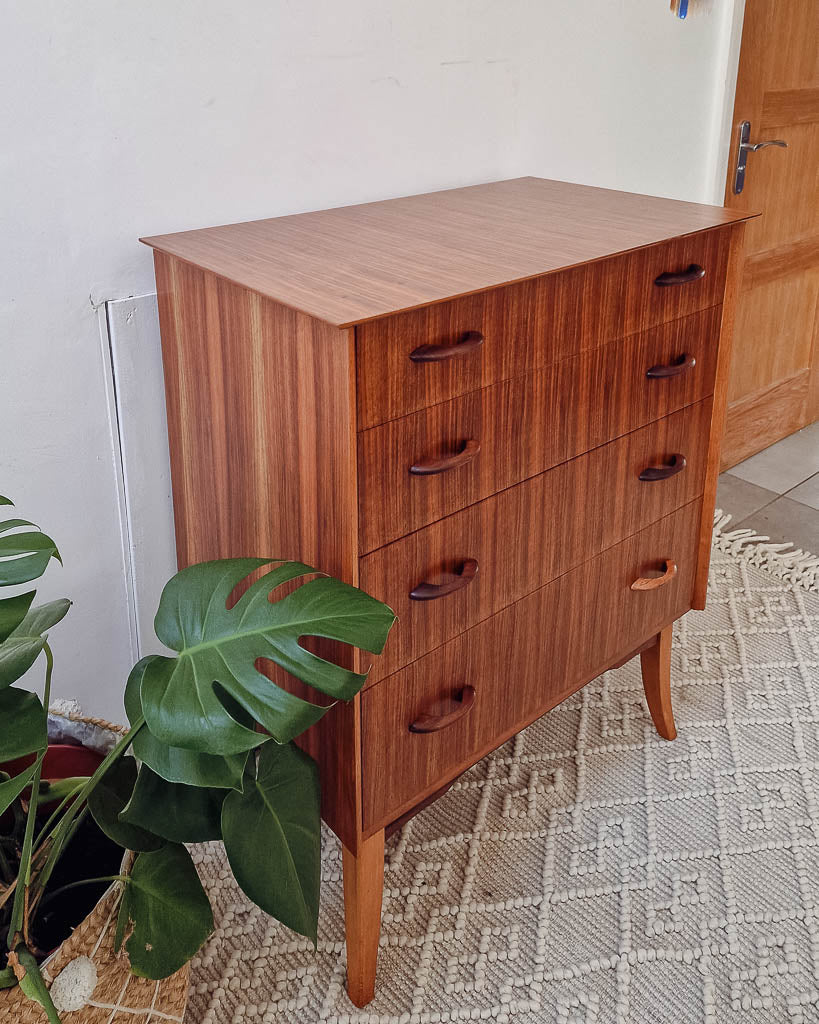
(589,872)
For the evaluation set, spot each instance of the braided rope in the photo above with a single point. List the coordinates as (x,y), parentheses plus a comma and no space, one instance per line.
(101,723)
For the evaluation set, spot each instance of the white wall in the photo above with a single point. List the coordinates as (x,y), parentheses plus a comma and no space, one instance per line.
(123,119)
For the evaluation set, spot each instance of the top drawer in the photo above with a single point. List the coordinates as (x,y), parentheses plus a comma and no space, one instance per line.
(497,334)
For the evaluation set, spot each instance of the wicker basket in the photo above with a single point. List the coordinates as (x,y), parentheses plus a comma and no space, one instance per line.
(118,995)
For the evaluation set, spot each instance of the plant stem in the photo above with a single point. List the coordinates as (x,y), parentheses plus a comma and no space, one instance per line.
(43,878)
(66,826)
(24,872)
(82,881)
(56,812)
(51,792)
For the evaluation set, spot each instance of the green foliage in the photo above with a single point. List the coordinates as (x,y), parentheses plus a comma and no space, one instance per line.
(13,611)
(10,789)
(22,647)
(183,698)
(168,910)
(212,735)
(176,764)
(272,829)
(28,716)
(190,814)
(34,986)
(108,799)
(24,552)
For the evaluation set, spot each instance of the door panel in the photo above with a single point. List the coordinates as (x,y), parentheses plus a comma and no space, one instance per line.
(781,349)
(774,387)
(782,183)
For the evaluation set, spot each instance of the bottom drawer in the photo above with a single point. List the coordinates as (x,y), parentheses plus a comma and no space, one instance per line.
(495,678)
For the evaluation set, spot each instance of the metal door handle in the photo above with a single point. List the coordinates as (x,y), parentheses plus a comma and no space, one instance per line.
(753,147)
(746,146)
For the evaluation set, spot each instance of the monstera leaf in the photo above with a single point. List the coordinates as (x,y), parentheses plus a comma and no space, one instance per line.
(23,719)
(272,837)
(20,649)
(189,814)
(171,917)
(10,789)
(176,764)
(107,800)
(209,697)
(24,554)
(12,612)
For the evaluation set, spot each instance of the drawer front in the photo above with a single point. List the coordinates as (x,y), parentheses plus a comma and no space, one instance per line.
(528,325)
(527,425)
(470,565)
(519,663)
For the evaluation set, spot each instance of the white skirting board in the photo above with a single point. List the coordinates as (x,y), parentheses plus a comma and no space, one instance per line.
(139,393)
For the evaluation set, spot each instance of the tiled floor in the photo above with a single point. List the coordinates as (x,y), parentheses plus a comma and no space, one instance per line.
(776,493)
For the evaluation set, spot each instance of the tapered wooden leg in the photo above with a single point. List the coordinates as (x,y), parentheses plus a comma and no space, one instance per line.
(363,887)
(655,662)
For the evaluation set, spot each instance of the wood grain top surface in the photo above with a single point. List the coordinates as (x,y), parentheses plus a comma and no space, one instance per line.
(355,263)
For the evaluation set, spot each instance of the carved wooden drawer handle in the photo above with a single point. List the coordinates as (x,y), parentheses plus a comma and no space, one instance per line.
(653,582)
(675,465)
(672,277)
(429,467)
(681,365)
(429,591)
(468,342)
(434,723)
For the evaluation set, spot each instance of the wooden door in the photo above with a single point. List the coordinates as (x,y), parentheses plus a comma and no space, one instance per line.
(774,388)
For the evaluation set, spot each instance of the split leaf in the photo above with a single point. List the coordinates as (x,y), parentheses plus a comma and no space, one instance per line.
(23,555)
(197,699)
(176,764)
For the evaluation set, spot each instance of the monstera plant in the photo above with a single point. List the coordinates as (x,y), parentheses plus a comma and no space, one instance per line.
(209,753)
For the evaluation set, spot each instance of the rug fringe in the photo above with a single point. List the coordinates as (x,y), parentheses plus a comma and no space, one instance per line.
(784,560)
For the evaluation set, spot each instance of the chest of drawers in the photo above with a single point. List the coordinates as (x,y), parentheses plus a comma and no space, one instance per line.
(497,409)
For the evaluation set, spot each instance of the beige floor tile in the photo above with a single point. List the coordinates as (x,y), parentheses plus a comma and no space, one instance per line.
(785,520)
(741,499)
(807,493)
(785,464)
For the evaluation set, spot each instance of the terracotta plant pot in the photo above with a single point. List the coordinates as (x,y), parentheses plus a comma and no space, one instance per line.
(62,761)
(90,983)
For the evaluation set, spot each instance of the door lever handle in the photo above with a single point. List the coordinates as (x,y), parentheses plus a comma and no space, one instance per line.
(744,148)
(752,147)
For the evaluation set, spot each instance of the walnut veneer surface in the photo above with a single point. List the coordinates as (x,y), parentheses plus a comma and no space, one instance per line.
(355,263)
(497,409)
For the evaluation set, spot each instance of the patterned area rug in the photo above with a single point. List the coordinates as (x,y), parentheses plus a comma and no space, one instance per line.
(588,872)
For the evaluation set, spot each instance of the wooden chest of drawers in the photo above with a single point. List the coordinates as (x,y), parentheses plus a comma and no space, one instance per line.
(497,409)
